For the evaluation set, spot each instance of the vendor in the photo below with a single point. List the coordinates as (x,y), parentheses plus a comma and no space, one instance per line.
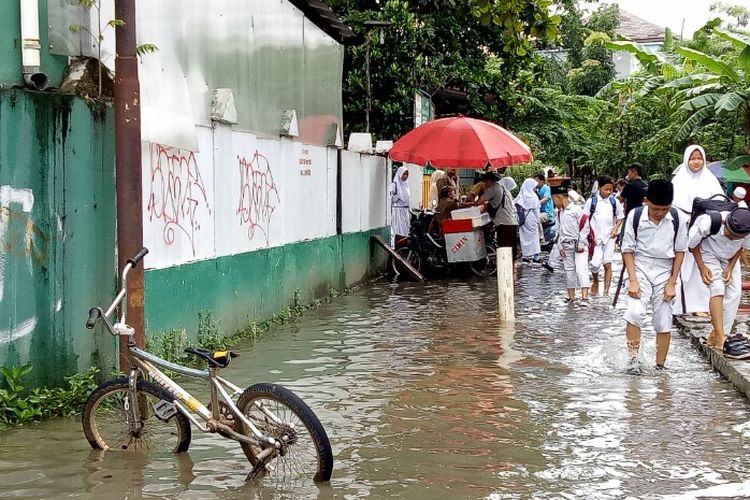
(446,204)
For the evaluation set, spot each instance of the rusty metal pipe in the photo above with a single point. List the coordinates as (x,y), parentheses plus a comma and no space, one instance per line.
(128,166)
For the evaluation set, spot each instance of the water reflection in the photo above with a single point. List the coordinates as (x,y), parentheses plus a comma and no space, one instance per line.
(424,395)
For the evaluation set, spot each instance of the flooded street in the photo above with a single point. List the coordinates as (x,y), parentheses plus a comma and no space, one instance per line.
(424,396)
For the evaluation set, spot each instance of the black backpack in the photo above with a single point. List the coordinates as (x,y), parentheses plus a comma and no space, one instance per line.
(712,206)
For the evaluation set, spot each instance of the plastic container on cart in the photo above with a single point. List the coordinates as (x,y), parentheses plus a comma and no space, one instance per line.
(466,213)
(482,220)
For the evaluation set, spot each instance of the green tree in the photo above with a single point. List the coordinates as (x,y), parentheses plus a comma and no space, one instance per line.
(436,45)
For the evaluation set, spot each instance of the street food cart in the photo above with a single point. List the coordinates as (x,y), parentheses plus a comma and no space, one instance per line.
(464,235)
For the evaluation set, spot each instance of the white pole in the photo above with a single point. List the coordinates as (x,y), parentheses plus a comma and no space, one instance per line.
(506,300)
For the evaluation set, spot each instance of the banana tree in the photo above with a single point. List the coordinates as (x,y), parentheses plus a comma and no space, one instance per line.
(719,90)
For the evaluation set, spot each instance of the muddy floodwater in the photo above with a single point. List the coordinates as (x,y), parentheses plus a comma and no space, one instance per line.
(424,396)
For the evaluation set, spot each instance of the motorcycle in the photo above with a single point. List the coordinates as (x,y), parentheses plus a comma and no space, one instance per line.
(425,247)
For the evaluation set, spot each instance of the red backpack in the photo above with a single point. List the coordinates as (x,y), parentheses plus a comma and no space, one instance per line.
(591,240)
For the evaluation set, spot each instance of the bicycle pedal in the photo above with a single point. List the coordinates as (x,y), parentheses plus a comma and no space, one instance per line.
(164,410)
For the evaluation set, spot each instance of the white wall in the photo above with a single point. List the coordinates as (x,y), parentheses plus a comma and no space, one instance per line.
(239,193)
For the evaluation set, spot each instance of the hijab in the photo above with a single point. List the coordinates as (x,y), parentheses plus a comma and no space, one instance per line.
(508,183)
(689,185)
(527,198)
(434,194)
(400,189)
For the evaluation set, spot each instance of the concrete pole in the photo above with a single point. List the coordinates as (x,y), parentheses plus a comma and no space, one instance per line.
(128,166)
(505,294)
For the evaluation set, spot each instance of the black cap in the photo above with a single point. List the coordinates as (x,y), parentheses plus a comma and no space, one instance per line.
(490,176)
(660,192)
(561,188)
(738,221)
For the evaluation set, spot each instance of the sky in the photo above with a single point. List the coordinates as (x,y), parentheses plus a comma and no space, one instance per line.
(670,13)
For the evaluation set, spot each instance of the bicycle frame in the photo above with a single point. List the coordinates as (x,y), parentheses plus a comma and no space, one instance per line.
(145,363)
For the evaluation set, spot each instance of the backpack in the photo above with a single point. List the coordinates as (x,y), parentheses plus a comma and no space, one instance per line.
(594,201)
(521,213)
(591,240)
(712,206)
(675,221)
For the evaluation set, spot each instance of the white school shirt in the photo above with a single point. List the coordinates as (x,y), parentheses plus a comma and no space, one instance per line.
(570,218)
(717,245)
(655,241)
(603,219)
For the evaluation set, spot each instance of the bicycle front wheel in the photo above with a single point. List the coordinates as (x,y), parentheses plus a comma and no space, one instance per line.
(281,414)
(109,424)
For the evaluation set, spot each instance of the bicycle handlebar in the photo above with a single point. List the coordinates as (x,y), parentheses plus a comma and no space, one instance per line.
(96,313)
(137,257)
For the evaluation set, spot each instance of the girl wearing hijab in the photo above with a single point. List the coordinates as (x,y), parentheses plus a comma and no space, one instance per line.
(528,233)
(691,181)
(434,198)
(400,197)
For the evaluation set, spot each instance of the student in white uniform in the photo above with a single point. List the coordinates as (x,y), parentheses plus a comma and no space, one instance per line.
(400,199)
(572,243)
(653,247)
(692,180)
(716,251)
(606,216)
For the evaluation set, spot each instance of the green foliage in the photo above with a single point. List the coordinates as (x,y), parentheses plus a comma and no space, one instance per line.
(98,36)
(19,406)
(439,46)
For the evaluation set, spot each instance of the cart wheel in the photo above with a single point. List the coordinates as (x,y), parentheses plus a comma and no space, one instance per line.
(486,266)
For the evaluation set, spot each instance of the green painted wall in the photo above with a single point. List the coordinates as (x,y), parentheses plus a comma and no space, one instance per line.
(254,286)
(57,259)
(10,46)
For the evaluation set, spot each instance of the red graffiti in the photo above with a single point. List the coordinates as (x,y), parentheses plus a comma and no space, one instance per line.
(259,195)
(177,192)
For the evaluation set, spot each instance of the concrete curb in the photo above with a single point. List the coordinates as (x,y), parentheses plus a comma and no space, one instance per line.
(737,372)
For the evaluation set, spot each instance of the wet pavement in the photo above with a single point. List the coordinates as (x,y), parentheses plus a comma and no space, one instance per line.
(425,396)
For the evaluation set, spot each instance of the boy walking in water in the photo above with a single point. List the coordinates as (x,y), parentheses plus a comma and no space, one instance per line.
(572,243)
(717,240)
(605,217)
(653,246)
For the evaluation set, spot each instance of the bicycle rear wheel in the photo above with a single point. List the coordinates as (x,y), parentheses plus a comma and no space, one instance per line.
(108,422)
(305,452)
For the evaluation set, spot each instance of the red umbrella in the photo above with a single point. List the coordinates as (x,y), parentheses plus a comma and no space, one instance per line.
(461,142)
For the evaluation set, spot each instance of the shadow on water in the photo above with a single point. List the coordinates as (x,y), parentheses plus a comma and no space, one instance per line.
(425,395)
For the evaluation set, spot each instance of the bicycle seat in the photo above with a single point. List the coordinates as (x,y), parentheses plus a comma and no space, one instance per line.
(217,359)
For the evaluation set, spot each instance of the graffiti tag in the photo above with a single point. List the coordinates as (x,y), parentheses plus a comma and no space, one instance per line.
(177,192)
(259,195)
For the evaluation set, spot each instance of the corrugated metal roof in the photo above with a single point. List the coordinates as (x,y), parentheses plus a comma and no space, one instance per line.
(321,14)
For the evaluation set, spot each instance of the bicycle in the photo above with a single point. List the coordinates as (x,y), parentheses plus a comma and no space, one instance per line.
(279,433)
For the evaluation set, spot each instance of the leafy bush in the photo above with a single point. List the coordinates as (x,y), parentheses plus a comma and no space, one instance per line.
(19,406)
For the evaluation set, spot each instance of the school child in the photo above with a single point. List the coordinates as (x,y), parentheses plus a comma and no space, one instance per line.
(716,240)
(653,247)
(605,217)
(572,243)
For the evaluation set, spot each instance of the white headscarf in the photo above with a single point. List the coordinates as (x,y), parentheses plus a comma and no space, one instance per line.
(400,189)
(434,195)
(527,198)
(509,183)
(689,185)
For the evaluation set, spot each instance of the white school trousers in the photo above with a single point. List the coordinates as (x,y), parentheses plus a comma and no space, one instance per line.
(652,276)
(731,291)
(576,266)
(604,253)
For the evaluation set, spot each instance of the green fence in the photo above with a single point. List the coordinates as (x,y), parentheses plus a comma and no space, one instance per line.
(57,231)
